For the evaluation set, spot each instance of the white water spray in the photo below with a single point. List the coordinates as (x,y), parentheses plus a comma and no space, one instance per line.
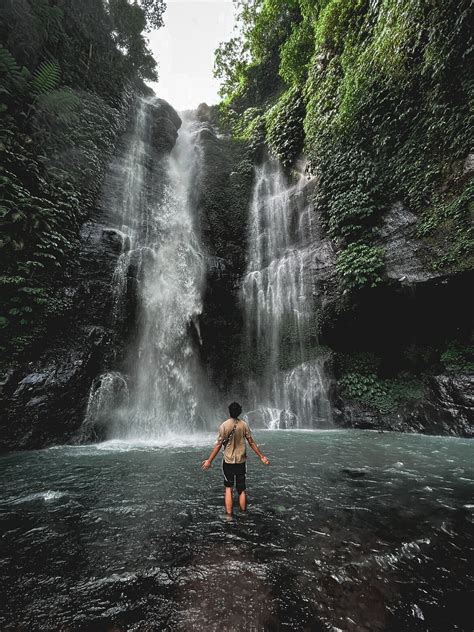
(161,268)
(289,388)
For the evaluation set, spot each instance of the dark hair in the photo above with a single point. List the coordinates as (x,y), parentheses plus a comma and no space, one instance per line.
(234,410)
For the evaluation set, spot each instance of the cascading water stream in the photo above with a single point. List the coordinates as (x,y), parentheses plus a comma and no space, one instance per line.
(165,370)
(289,387)
(150,198)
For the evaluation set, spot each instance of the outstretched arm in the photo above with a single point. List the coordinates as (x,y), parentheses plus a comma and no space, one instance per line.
(255,448)
(207,463)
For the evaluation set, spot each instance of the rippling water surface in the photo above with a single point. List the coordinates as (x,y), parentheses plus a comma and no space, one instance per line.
(347,530)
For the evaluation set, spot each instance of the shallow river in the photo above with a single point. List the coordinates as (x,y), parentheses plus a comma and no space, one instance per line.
(346,530)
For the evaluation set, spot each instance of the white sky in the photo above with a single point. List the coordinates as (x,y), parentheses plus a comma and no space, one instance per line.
(184,49)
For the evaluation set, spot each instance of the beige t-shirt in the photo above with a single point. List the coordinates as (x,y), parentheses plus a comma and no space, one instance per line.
(234,452)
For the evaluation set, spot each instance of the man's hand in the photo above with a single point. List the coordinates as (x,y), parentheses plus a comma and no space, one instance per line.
(206,464)
(264,460)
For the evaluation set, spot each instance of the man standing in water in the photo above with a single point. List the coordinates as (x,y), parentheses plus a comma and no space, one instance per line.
(232,435)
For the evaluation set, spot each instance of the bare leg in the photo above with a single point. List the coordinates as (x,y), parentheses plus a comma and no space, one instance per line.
(229,500)
(242,501)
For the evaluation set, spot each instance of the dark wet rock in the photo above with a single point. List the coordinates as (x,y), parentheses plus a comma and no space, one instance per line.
(406,256)
(44,401)
(446,408)
(204,112)
(216,266)
(47,404)
(222,197)
(166,123)
(116,239)
(138,262)
(354,473)
(352,414)
(468,166)
(207,133)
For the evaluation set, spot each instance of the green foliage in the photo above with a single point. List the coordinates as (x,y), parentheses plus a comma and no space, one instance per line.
(153,10)
(348,195)
(296,52)
(243,126)
(256,135)
(448,226)
(59,103)
(100,46)
(284,126)
(458,357)
(337,22)
(39,89)
(388,114)
(387,90)
(9,70)
(46,77)
(360,265)
(56,135)
(358,378)
(383,395)
(230,61)
(248,64)
(129,21)
(363,363)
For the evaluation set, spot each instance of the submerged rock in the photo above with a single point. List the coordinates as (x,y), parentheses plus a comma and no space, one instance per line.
(354,473)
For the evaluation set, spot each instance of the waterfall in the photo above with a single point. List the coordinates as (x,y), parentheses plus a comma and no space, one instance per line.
(288,387)
(108,391)
(148,196)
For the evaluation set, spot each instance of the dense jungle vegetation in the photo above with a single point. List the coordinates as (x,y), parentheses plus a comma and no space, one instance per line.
(67,72)
(377,95)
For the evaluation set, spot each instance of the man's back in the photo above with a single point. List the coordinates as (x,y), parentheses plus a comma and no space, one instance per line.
(233,433)
(235,450)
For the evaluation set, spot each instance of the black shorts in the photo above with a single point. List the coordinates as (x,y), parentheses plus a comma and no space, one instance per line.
(234,473)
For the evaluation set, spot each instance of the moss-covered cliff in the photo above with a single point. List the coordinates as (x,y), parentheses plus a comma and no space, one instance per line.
(68,72)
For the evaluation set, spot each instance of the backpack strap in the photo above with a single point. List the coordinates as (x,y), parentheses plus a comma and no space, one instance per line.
(229,436)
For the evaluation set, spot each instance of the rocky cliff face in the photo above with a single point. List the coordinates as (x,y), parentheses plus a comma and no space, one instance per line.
(446,407)
(223,194)
(404,323)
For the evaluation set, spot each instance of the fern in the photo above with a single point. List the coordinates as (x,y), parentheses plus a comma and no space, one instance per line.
(12,280)
(58,102)
(11,74)
(8,64)
(46,77)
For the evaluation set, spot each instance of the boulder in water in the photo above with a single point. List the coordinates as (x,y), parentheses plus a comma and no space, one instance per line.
(353,473)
